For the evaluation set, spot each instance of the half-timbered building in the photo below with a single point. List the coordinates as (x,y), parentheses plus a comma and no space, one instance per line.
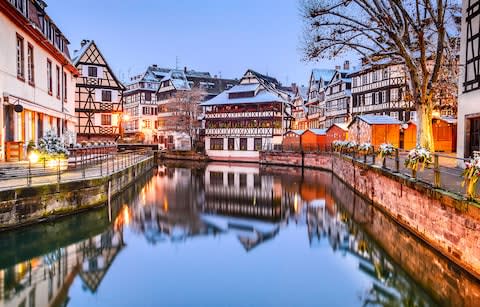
(338,97)
(37,78)
(468,132)
(315,115)
(140,103)
(179,96)
(98,95)
(300,110)
(380,90)
(246,118)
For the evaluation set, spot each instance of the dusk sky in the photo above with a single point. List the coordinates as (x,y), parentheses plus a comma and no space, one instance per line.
(218,36)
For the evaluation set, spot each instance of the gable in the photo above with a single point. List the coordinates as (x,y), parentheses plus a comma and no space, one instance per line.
(90,55)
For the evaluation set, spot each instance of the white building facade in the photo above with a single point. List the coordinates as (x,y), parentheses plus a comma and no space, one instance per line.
(468,129)
(247,118)
(37,78)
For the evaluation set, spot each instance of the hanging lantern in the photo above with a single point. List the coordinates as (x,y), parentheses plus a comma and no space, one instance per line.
(18,108)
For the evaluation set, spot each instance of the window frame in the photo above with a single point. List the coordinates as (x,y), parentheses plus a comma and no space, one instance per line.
(20,57)
(49,77)
(30,65)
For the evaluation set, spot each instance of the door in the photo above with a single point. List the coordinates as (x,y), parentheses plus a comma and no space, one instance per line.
(474,144)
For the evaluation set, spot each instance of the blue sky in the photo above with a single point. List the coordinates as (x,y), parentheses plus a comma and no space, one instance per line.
(220,36)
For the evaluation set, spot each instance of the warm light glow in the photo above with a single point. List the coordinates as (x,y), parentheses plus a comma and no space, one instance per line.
(165,204)
(123,218)
(295,203)
(33,157)
(126,117)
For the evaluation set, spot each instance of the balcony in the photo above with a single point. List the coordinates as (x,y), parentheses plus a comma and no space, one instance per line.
(243,131)
(244,114)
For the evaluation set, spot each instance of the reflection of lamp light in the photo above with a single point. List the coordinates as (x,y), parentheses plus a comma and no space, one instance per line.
(126,117)
(33,157)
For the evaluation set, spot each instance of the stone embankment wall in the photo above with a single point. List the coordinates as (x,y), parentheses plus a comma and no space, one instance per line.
(28,205)
(445,221)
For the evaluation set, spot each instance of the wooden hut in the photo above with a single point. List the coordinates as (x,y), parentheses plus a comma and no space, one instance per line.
(444,134)
(375,129)
(314,139)
(337,132)
(292,139)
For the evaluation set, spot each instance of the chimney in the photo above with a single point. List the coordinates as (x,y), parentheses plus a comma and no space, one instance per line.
(155,65)
(346,65)
(185,69)
(84,42)
(337,67)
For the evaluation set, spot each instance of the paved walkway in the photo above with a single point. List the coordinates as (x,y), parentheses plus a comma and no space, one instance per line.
(15,175)
(450,174)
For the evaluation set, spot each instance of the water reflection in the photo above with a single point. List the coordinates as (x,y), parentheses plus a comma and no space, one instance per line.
(269,212)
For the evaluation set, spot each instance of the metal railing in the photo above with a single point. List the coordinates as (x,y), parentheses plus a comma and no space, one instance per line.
(444,173)
(83,165)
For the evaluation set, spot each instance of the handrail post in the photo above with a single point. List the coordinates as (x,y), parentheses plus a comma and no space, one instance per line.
(58,170)
(29,178)
(83,164)
(373,156)
(397,160)
(436,171)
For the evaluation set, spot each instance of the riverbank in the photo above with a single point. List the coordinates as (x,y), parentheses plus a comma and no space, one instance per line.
(35,204)
(444,220)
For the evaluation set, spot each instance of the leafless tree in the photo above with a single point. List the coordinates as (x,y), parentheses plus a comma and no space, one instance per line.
(419,34)
(185,105)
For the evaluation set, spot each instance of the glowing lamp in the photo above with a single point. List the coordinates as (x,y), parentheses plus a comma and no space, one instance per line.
(33,157)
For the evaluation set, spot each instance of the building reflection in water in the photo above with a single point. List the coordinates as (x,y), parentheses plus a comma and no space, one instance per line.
(181,203)
(45,280)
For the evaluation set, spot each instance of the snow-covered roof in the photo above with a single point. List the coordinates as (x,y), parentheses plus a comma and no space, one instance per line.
(318,131)
(343,126)
(178,79)
(449,119)
(77,54)
(325,74)
(240,88)
(263,96)
(297,132)
(378,120)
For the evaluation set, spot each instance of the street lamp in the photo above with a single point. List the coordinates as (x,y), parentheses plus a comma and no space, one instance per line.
(32,158)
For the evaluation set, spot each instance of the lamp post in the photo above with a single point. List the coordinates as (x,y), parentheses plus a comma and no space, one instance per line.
(32,158)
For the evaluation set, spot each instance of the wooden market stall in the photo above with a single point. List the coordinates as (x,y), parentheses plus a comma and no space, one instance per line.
(444,134)
(314,139)
(375,129)
(337,132)
(292,139)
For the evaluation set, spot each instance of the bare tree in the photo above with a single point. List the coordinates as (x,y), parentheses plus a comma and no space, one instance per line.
(185,105)
(416,33)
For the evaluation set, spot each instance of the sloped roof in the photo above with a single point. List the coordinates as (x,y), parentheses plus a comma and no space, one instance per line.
(377,120)
(264,77)
(297,132)
(343,126)
(241,88)
(263,96)
(318,131)
(178,79)
(77,54)
(325,74)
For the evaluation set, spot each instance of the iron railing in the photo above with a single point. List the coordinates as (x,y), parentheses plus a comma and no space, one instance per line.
(81,165)
(444,173)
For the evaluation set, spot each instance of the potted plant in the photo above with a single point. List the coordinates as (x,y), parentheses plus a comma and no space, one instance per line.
(386,150)
(418,157)
(470,174)
(365,148)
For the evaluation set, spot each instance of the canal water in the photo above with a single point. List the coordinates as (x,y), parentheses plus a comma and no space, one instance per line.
(229,235)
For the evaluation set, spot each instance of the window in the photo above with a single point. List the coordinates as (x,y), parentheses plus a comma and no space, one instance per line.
(106,119)
(65,86)
(243,180)
(231,144)
(170,139)
(216,144)
(257,144)
(374,76)
(49,77)
(30,68)
(148,96)
(216,178)
(243,144)
(57,75)
(231,179)
(20,58)
(92,71)
(106,95)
